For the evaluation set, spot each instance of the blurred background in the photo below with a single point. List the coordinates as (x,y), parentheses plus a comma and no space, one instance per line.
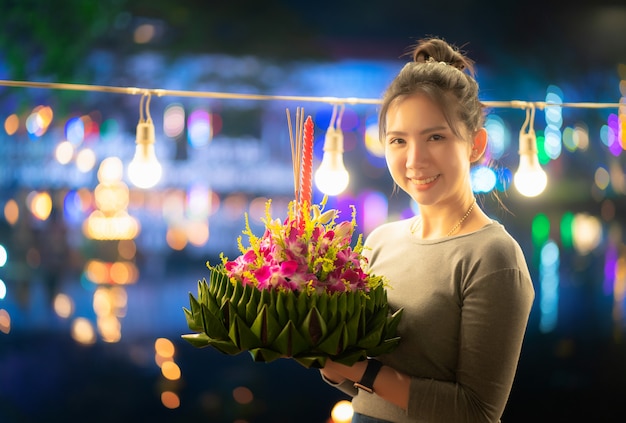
(95,270)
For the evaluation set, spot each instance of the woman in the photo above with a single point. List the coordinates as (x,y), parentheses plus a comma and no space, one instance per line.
(461,278)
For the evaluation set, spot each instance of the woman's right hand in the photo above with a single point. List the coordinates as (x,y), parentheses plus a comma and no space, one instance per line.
(332,376)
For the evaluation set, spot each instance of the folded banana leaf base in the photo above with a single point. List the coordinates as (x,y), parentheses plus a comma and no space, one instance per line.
(309,327)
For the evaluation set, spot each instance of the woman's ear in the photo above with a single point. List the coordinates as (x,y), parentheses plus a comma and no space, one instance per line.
(479,145)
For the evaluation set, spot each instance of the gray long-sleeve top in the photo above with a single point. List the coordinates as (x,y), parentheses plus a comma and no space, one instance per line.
(466,303)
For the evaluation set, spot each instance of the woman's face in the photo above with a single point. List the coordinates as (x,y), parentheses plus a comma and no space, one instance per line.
(426,159)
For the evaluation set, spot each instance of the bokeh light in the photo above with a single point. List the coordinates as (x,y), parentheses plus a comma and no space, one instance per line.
(63,305)
(198,201)
(144,33)
(83,331)
(587,233)
(39,204)
(5,321)
(199,129)
(549,287)
(170,399)
(64,152)
(243,395)
(601,178)
(164,347)
(198,233)
(374,211)
(39,120)
(567,230)
(85,160)
(483,179)
(170,370)
(75,131)
(342,412)
(540,230)
(110,170)
(11,212)
(174,120)
(176,238)
(3,256)
(11,124)
(499,137)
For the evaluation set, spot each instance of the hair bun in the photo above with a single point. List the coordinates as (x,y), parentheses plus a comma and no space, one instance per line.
(438,50)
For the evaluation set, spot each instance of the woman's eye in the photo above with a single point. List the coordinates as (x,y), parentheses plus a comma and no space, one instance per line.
(396,141)
(435,137)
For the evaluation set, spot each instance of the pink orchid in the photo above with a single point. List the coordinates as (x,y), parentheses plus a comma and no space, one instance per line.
(294,256)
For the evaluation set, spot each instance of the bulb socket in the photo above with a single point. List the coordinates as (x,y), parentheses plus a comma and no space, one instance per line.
(145,133)
(333,142)
(528,144)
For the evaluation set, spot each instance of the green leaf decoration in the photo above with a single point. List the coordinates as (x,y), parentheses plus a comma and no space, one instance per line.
(372,338)
(350,303)
(322,304)
(231,311)
(308,327)
(198,340)
(225,347)
(243,302)
(264,299)
(350,357)
(342,306)
(392,324)
(213,327)
(315,361)
(332,319)
(225,313)
(353,326)
(377,319)
(290,307)
(289,341)
(281,309)
(303,305)
(264,355)
(251,312)
(194,316)
(266,327)
(313,327)
(247,339)
(385,347)
(335,343)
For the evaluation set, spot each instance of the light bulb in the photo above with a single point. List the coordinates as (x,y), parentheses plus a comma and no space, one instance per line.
(332,178)
(144,171)
(530,179)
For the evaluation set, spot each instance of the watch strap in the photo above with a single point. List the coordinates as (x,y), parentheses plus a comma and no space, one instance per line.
(371,371)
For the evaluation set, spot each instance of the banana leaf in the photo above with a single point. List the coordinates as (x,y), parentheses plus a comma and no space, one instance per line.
(308,327)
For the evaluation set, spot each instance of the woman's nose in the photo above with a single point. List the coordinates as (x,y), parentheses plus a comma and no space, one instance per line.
(415,155)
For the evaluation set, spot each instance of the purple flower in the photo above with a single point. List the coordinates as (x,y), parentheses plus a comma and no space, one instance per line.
(299,255)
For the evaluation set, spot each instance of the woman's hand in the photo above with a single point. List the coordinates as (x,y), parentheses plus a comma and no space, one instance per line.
(332,376)
(336,372)
(390,384)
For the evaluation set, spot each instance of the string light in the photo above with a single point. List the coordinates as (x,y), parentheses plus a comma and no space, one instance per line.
(160,92)
(332,178)
(144,171)
(530,179)
(334,136)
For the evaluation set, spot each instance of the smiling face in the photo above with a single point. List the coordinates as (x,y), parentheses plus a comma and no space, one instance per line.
(425,157)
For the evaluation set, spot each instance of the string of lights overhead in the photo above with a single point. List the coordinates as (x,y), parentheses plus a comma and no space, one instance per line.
(332,177)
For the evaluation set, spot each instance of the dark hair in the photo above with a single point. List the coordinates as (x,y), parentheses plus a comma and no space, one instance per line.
(446,75)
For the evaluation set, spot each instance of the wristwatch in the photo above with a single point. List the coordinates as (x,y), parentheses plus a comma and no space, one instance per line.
(371,371)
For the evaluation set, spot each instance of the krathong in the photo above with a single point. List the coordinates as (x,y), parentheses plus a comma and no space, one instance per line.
(301,290)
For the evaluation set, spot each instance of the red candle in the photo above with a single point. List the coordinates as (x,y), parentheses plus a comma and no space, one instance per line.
(306,192)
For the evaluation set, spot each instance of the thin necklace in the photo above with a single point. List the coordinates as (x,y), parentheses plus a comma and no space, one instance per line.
(457,226)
